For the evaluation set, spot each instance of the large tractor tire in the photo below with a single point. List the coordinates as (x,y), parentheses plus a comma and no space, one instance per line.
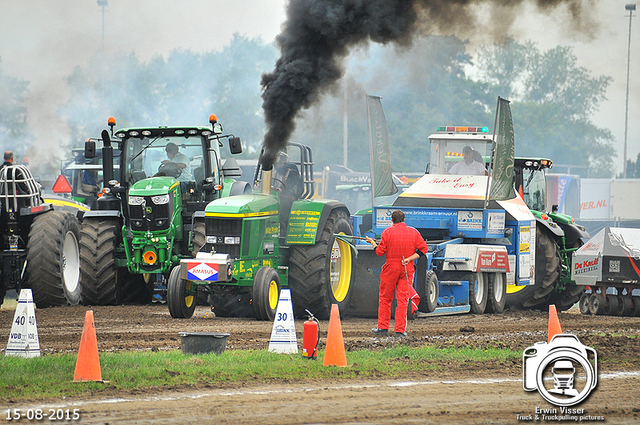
(53,261)
(323,274)
(266,293)
(547,273)
(566,299)
(181,295)
(101,283)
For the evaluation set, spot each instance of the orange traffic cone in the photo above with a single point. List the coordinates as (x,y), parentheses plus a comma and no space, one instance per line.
(554,323)
(334,354)
(88,363)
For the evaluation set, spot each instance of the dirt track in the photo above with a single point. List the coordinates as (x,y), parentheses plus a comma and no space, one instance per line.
(454,394)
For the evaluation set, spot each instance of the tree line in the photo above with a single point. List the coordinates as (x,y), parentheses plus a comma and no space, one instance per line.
(434,82)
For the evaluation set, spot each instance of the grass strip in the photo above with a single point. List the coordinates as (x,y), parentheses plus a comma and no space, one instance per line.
(51,376)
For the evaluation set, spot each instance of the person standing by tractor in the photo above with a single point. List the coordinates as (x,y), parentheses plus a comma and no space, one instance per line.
(402,245)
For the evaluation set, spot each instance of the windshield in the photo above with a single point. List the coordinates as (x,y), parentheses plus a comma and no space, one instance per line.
(446,153)
(534,189)
(177,157)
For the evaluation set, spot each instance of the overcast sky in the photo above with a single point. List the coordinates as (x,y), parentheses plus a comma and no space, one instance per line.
(41,41)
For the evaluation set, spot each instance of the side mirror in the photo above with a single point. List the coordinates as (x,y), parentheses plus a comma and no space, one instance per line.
(90,149)
(217,128)
(554,208)
(234,145)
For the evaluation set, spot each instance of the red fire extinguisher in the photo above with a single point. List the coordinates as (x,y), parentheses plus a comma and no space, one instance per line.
(310,337)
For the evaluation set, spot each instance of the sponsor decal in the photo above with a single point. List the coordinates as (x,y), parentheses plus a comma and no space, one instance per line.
(199,270)
(586,266)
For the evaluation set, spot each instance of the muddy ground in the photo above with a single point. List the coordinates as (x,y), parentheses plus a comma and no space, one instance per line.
(456,393)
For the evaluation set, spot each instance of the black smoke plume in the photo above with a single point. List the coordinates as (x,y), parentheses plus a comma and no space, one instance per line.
(318,34)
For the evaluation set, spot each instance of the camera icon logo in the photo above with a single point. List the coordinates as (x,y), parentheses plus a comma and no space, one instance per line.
(564,371)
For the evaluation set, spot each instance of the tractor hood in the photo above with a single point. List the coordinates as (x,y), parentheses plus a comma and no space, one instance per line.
(243,206)
(154,186)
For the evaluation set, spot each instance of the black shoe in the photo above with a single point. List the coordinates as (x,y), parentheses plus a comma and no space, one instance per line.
(401,334)
(382,332)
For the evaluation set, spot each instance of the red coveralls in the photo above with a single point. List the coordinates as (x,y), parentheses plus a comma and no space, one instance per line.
(397,241)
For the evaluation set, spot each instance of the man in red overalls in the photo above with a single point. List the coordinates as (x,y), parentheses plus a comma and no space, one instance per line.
(402,245)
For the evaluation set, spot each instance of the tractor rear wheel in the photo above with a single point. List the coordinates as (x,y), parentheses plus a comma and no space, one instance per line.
(181,295)
(53,260)
(101,283)
(566,298)
(323,274)
(547,273)
(266,293)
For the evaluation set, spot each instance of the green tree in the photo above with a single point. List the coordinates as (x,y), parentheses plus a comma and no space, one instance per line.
(13,112)
(185,88)
(552,102)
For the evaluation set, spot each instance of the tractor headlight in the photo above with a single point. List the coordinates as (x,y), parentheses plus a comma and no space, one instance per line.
(160,199)
(136,200)
(212,239)
(232,240)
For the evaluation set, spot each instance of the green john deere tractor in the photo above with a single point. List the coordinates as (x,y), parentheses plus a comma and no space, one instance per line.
(250,252)
(557,238)
(143,223)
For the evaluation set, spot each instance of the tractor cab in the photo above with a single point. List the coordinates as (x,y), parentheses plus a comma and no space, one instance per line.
(450,146)
(530,181)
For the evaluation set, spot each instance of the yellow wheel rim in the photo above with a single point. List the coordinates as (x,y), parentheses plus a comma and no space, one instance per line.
(341,266)
(512,289)
(189,299)
(273,294)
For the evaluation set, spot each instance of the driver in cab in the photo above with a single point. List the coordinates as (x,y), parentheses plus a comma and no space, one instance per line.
(178,161)
(470,166)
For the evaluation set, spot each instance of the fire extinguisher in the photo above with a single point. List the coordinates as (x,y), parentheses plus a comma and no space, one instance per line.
(310,337)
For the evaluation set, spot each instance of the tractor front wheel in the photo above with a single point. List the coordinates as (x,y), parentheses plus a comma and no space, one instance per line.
(99,279)
(266,293)
(181,295)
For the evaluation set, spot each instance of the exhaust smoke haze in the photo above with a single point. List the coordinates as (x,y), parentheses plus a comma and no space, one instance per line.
(318,34)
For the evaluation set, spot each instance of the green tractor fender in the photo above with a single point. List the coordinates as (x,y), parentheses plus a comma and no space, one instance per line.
(573,232)
(308,216)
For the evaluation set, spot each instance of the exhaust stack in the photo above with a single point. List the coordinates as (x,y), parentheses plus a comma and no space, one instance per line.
(266,181)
